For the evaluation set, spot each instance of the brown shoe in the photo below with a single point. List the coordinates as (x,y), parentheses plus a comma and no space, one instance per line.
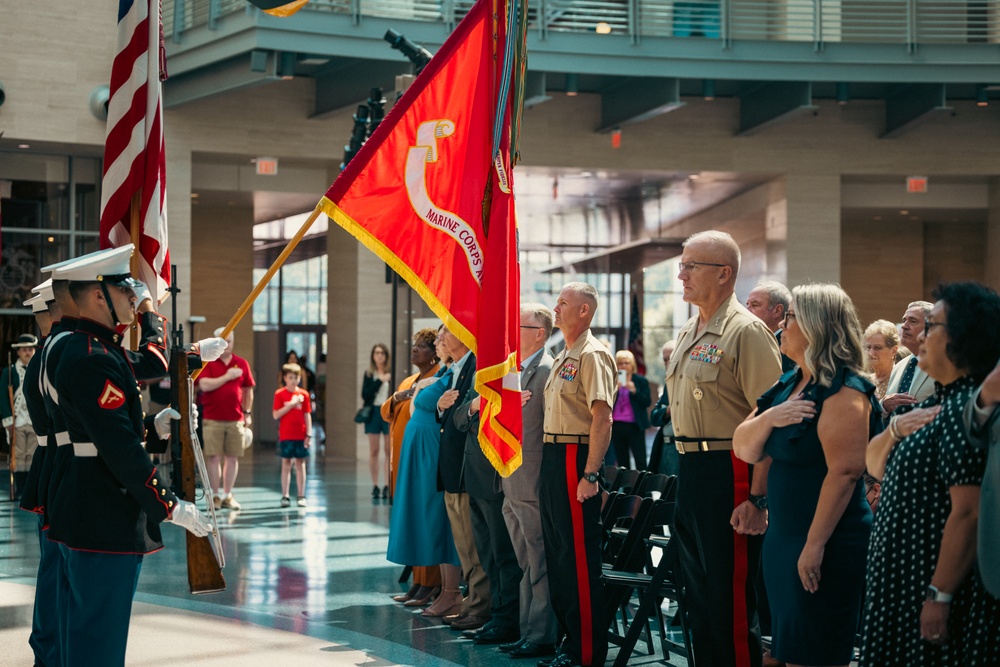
(469,623)
(771,662)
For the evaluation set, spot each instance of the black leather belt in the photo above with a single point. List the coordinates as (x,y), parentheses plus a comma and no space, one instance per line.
(686,446)
(557,439)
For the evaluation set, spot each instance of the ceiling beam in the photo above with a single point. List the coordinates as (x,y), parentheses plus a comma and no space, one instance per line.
(244,71)
(770,103)
(909,105)
(636,99)
(534,90)
(350,85)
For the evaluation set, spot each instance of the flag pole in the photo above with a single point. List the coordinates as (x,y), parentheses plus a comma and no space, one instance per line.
(134,210)
(266,278)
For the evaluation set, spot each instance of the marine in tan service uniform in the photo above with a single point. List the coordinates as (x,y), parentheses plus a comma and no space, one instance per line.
(724,360)
(578,398)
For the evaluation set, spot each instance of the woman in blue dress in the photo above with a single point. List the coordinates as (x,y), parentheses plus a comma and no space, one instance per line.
(421,533)
(814,425)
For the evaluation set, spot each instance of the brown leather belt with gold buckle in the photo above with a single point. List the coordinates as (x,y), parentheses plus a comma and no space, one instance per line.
(689,446)
(556,439)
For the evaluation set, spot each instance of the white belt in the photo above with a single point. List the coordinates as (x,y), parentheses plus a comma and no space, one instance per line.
(62,438)
(84,449)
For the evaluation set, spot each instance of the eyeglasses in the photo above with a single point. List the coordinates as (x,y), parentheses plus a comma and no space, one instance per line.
(874,348)
(789,315)
(525,326)
(691,266)
(929,324)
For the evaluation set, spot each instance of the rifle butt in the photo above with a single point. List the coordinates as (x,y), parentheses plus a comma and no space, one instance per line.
(204,574)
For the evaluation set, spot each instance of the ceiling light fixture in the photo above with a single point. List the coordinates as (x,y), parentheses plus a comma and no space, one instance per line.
(603,28)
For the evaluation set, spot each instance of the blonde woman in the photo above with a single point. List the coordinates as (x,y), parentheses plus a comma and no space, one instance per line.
(814,425)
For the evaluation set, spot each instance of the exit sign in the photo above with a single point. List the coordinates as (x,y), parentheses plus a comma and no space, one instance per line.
(916,184)
(267,166)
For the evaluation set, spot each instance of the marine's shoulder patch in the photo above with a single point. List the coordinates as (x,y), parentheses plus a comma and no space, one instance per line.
(111,397)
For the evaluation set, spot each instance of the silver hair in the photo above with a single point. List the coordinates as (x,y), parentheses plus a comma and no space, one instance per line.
(722,242)
(585,290)
(886,329)
(776,293)
(926,306)
(540,313)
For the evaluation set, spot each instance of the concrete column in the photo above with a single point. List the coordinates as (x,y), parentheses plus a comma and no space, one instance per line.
(179,219)
(991,271)
(812,247)
(222,254)
(343,377)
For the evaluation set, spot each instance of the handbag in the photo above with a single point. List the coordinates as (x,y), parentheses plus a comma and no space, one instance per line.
(364,414)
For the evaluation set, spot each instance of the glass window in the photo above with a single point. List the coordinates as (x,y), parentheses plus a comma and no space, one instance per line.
(23,256)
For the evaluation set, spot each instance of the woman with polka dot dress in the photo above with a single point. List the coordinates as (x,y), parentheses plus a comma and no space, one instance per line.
(925,604)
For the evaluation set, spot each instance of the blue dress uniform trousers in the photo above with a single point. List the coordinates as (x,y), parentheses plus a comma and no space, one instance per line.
(44,638)
(98,605)
(572,533)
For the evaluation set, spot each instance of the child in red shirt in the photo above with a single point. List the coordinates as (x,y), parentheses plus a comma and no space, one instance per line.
(294,410)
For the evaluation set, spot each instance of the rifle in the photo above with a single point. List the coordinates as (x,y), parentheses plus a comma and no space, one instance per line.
(11,456)
(203,559)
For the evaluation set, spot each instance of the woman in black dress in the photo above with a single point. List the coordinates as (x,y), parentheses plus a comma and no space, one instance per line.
(925,604)
(814,425)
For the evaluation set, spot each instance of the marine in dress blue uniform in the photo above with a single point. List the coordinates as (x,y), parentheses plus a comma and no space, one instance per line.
(105,505)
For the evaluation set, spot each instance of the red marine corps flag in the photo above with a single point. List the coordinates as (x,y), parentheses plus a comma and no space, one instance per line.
(431,194)
(133,190)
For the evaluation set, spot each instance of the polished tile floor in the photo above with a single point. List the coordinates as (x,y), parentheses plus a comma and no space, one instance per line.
(304,586)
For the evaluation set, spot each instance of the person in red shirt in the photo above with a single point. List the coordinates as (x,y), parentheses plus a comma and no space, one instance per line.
(294,411)
(226,386)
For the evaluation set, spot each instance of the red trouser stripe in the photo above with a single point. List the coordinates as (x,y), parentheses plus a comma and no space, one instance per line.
(741,625)
(582,572)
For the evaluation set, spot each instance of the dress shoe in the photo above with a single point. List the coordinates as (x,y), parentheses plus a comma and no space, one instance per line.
(451,618)
(408,595)
(532,650)
(469,623)
(507,648)
(423,597)
(561,660)
(496,635)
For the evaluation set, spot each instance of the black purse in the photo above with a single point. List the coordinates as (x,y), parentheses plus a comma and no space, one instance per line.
(364,414)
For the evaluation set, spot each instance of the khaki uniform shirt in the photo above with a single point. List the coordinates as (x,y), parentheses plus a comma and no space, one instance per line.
(580,375)
(715,378)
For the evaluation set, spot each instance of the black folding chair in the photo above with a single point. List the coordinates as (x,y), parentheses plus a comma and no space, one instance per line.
(628,480)
(656,486)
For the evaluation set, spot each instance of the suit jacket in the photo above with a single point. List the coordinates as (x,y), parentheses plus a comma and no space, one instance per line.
(987,437)
(480,478)
(452,458)
(922,386)
(522,484)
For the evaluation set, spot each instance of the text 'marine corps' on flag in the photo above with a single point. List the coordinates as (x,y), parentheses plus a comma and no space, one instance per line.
(432,198)
(134,160)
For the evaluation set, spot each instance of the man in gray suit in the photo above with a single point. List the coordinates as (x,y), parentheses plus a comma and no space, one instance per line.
(907,383)
(982,420)
(520,506)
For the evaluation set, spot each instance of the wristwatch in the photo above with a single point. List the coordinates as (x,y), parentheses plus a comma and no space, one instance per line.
(591,476)
(760,502)
(936,595)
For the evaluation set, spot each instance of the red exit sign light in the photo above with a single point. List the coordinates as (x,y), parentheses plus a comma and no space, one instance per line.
(916,184)
(267,166)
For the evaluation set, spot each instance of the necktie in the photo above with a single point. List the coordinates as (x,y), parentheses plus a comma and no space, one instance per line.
(907,379)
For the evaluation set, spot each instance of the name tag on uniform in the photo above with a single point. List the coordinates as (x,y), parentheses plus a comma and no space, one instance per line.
(568,372)
(710,354)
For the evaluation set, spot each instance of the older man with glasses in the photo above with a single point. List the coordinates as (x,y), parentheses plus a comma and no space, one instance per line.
(724,360)
(908,383)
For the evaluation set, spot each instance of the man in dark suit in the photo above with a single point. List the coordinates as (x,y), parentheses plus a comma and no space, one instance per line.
(451,463)
(982,422)
(520,506)
(493,544)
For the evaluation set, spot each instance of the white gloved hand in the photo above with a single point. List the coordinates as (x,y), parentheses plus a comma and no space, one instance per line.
(211,349)
(194,415)
(161,422)
(141,293)
(187,516)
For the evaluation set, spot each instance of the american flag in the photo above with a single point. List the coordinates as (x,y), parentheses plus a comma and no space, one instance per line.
(635,336)
(134,160)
